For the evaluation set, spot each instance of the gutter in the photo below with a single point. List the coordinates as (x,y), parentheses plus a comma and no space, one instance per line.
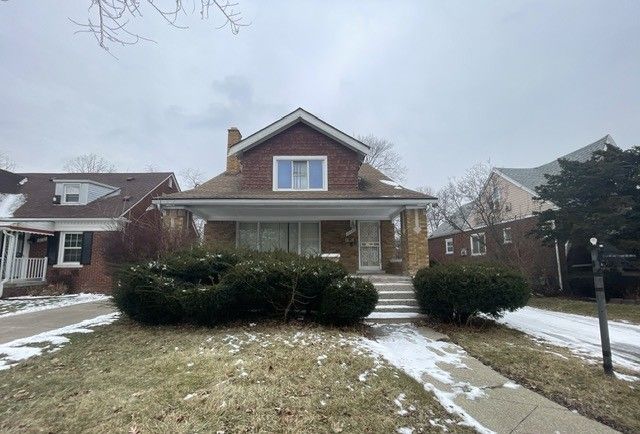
(336,202)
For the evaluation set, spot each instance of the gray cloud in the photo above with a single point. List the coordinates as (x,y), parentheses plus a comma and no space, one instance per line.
(451,83)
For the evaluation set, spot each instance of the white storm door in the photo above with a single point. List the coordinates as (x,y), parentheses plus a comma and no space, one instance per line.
(369,245)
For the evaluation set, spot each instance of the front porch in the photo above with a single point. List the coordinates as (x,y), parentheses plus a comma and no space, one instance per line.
(19,265)
(365,236)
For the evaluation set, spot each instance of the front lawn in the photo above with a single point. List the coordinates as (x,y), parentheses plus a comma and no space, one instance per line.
(268,378)
(616,312)
(551,371)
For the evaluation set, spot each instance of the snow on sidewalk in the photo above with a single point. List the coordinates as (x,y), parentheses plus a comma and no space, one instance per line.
(404,347)
(579,333)
(22,305)
(21,349)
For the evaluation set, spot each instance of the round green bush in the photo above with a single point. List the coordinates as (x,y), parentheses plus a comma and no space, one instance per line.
(208,305)
(148,297)
(348,301)
(198,265)
(456,292)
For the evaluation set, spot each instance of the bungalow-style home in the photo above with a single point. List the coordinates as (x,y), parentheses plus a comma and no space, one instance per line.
(301,185)
(53,226)
(468,238)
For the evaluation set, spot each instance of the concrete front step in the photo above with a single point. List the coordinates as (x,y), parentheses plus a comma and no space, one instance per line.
(392,301)
(398,308)
(394,317)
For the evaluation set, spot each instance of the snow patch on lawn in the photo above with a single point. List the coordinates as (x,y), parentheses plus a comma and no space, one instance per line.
(50,341)
(21,305)
(579,333)
(407,349)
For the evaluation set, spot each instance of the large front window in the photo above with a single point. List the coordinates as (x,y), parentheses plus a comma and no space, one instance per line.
(300,173)
(297,237)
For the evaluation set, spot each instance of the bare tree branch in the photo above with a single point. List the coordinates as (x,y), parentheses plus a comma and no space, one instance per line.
(191,177)
(89,163)
(383,157)
(108,20)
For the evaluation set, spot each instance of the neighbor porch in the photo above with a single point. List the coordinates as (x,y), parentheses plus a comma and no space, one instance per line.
(22,262)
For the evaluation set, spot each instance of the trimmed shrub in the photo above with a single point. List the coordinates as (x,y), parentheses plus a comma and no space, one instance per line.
(203,287)
(148,297)
(456,292)
(347,301)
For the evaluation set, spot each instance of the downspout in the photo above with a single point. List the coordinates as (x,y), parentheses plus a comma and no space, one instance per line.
(5,257)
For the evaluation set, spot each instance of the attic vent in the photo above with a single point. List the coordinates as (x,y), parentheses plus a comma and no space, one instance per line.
(126,198)
(131,178)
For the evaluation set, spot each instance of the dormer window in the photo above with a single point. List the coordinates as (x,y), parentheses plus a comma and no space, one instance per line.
(71,193)
(300,173)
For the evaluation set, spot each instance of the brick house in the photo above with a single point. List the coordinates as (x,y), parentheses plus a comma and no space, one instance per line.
(54,226)
(300,185)
(466,238)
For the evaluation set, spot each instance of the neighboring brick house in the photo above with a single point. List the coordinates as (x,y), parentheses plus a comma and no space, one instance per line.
(300,185)
(509,240)
(54,226)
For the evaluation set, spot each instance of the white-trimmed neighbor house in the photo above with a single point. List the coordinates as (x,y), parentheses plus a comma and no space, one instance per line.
(53,226)
(301,185)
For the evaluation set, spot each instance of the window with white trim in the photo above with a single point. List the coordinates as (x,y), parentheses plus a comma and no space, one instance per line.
(71,193)
(300,173)
(70,248)
(507,236)
(478,244)
(448,246)
(296,237)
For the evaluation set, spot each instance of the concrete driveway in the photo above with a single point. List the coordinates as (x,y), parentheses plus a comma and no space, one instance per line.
(29,324)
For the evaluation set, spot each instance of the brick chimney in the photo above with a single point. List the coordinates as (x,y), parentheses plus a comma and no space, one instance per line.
(233,163)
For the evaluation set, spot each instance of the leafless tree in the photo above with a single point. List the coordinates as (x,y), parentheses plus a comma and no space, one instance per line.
(383,157)
(434,216)
(6,163)
(89,163)
(109,21)
(191,177)
(150,168)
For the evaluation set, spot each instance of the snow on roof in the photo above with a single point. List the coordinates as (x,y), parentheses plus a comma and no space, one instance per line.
(9,203)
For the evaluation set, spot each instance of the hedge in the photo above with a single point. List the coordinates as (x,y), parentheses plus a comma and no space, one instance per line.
(206,287)
(456,292)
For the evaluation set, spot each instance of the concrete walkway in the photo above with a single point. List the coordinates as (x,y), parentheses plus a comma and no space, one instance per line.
(474,390)
(29,324)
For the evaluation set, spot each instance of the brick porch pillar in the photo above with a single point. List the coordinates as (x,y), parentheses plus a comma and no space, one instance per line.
(415,249)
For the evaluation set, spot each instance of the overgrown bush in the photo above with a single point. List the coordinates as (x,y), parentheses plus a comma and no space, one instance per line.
(210,287)
(457,292)
(348,300)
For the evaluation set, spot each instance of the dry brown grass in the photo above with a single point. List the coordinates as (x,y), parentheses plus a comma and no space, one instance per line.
(617,312)
(553,372)
(128,378)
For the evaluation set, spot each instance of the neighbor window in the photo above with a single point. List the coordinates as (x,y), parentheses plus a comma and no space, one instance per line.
(478,244)
(448,246)
(506,236)
(300,173)
(296,237)
(71,193)
(71,247)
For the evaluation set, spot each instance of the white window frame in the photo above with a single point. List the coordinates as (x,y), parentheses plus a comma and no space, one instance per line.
(446,246)
(478,234)
(504,237)
(61,261)
(64,193)
(325,170)
(257,246)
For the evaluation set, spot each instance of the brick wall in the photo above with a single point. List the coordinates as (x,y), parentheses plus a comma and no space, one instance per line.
(333,240)
(342,163)
(220,234)
(387,246)
(536,260)
(415,249)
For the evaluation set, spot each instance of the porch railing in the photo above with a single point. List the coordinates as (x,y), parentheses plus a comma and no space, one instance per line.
(26,269)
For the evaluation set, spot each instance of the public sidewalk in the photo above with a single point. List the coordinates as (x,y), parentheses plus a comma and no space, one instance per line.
(482,397)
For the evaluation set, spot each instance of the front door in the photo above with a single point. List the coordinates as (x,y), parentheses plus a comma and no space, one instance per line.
(369,245)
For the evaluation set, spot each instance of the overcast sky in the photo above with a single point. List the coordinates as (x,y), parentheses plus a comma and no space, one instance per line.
(451,83)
